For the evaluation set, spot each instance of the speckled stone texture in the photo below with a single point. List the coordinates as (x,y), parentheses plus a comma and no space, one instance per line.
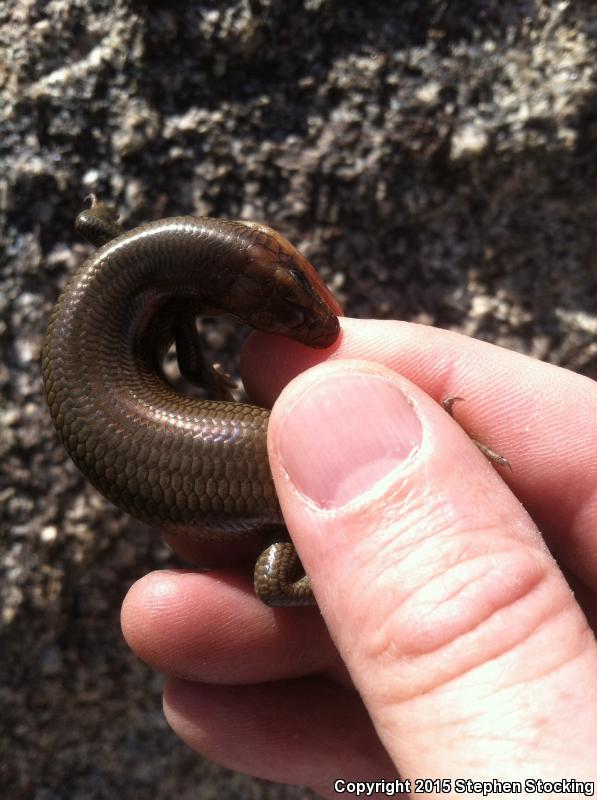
(437,162)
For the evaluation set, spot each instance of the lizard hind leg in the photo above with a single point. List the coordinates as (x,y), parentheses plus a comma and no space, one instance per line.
(491,455)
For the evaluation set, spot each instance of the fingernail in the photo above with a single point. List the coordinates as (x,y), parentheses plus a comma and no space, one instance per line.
(344,435)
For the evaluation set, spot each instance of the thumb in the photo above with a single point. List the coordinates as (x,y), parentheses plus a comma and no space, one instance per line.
(458,629)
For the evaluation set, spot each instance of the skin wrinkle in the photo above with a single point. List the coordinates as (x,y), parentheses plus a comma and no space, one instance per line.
(386,650)
(400,503)
(387,550)
(478,738)
(496,692)
(450,599)
(435,561)
(586,643)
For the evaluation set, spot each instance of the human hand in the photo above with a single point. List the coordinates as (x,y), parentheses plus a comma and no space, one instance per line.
(466,654)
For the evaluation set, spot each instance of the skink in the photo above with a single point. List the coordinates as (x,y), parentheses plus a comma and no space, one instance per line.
(192,467)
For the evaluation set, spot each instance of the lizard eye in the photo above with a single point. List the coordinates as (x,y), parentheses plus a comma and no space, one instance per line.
(300,277)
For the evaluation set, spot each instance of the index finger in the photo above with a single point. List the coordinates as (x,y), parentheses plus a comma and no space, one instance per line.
(541,417)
